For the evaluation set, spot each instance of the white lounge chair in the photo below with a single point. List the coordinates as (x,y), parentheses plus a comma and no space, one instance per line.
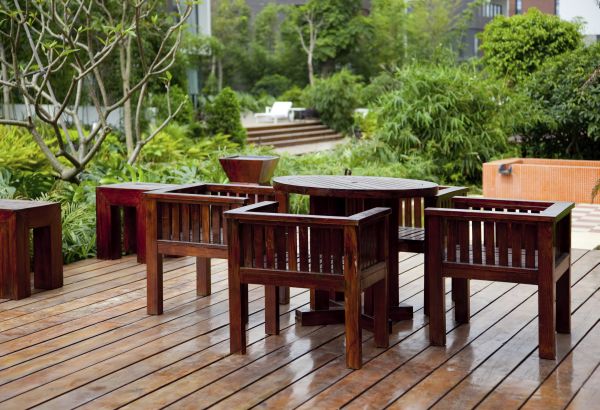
(279,110)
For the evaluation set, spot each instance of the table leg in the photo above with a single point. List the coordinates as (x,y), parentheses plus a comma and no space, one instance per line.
(14,278)
(140,228)
(47,254)
(108,228)
(129,230)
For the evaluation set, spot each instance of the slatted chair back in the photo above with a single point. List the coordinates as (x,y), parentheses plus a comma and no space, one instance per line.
(344,254)
(501,240)
(188,221)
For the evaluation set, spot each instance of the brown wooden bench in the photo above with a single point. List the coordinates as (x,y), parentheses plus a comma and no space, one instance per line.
(188,221)
(501,240)
(259,237)
(17,217)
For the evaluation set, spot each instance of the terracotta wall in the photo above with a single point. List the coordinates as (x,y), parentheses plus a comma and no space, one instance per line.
(542,179)
(547,6)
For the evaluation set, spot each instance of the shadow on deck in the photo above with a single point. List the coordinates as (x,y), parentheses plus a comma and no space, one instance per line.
(91,344)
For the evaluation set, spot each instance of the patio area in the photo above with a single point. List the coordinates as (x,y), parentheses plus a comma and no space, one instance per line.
(91,344)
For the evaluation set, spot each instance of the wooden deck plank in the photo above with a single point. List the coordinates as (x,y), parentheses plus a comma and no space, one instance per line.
(91,344)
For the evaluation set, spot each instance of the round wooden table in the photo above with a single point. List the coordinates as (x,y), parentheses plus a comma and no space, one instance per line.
(347,195)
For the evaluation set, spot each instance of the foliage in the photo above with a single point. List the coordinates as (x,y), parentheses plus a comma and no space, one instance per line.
(273,84)
(378,86)
(7,189)
(178,96)
(451,115)
(569,101)
(295,95)
(596,190)
(335,98)
(515,47)
(389,41)
(61,56)
(223,116)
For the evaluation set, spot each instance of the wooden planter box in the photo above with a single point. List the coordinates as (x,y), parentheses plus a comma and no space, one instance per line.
(541,179)
(250,169)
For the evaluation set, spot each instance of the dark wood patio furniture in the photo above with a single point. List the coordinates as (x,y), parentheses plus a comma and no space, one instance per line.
(411,223)
(347,195)
(109,201)
(259,237)
(501,240)
(16,219)
(188,221)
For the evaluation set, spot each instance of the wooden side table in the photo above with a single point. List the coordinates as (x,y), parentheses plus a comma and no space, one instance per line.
(109,200)
(16,219)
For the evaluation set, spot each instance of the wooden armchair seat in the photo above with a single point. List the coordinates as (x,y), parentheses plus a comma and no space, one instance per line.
(501,240)
(275,250)
(188,221)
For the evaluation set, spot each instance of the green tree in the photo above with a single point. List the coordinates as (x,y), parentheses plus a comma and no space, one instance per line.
(570,103)
(231,26)
(389,40)
(223,117)
(450,115)
(514,47)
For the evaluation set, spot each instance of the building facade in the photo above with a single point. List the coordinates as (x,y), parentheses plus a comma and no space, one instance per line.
(585,11)
(521,6)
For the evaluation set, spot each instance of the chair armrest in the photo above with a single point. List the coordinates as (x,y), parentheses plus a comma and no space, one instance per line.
(491,216)
(559,210)
(179,189)
(448,192)
(240,189)
(195,199)
(370,215)
(501,203)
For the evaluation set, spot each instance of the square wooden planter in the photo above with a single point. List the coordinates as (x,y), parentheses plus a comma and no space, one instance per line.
(249,169)
(541,179)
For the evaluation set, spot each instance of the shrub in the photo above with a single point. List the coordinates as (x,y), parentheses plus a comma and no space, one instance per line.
(335,98)
(569,101)
(273,84)
(223,117)
(295,95)
(451,115)
(514,47)
(380,85)
(178,96)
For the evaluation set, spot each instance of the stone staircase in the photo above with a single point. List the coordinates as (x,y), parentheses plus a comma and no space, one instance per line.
(291,134)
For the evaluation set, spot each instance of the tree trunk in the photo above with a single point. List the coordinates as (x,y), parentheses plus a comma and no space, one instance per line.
(311,76)
(5,89)
(220,68)
(125,60)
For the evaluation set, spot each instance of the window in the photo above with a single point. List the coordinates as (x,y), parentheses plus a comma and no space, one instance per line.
(518,6)
(491,10)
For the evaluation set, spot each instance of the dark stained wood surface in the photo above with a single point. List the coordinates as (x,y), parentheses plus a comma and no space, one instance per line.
(354,186)
(91,344)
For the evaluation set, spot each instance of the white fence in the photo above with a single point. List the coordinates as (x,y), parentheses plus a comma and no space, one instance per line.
(87,114)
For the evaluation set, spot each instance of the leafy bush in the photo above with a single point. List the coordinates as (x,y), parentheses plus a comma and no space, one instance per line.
(569,101)
(295,95)
(273,84)
(380,85)
(223,116)
(514,47)
(335,98)
(178,96)
(450,115)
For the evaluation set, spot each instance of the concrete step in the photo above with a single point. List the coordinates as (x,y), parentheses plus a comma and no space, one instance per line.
(274,131)
(295,136)
(305,141)
(282,125)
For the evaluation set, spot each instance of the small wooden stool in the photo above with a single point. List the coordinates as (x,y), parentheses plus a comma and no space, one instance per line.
(16,218)
(109,199)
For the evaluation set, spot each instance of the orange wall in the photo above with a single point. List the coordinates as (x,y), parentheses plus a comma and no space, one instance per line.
(546,180)
(547,6)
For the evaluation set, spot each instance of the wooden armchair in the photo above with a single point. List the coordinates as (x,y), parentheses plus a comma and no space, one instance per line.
(280,250)
(501,240)
(188,221)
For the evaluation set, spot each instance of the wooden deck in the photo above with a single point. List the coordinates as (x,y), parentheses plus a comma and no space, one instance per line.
(91,344)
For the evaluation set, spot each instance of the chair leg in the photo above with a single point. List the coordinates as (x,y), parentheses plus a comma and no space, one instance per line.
(237,327)
(154,279)
(382,336)
(546,306)
(244,291)
(461,293)
(353,328)
(426,292)
(271,310)
(563,303)
(203,276)
(437,311)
